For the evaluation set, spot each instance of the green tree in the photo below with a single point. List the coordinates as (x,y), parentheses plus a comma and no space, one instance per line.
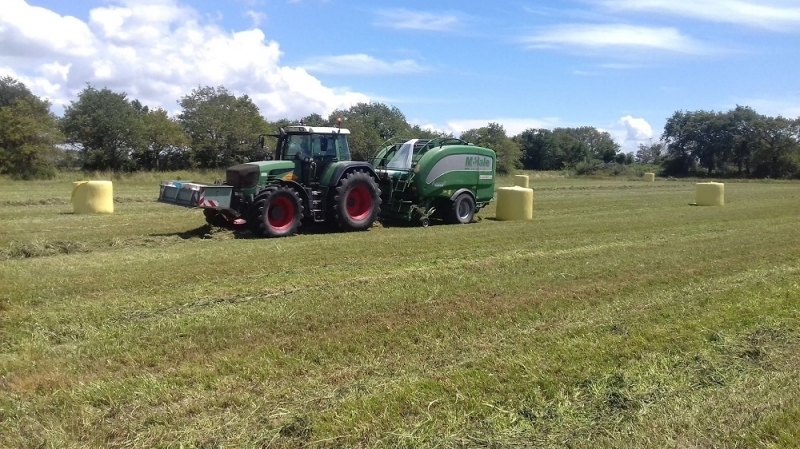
(28,133)
(27,140)
(571,149)
(778,156)
(371,124)
(540,150)
(679,132)
(493,136)
(105,126)
(418,132)
(600,144)
(223,129)
(649,154)
(745,123)
(315,120)
(166,146)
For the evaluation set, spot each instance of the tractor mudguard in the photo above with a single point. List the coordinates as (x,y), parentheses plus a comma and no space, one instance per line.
(347,166)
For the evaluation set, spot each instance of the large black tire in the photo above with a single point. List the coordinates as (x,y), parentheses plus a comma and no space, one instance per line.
(277,213)
(461,210)
(357,202)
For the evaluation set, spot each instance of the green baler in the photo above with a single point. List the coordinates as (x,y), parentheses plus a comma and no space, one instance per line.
(443,179)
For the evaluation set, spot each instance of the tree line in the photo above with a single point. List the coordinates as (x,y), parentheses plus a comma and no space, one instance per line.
(105,130)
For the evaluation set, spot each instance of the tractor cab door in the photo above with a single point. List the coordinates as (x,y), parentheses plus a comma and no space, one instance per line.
(312,153)
(298,150)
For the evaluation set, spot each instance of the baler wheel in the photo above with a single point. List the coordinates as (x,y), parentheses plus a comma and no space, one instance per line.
(278,213)
(462,209)
(357,201)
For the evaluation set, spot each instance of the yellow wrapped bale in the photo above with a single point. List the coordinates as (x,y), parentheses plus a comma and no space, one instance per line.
(710,194)
(514,203)
(649,177)
(521,181)
(92,197)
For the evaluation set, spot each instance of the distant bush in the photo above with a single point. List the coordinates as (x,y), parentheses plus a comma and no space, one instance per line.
(597,168)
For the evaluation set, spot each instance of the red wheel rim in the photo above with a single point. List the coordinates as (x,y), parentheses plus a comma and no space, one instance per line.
(359,203)
(280,213)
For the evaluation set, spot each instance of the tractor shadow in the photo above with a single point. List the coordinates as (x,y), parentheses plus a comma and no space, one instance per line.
(208,232)
(211,232)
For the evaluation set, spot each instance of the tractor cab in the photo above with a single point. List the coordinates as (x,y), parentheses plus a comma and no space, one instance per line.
(312,149)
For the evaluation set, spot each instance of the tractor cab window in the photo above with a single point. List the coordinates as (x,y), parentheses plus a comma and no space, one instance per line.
(297,146)
(332,146)
(326,146)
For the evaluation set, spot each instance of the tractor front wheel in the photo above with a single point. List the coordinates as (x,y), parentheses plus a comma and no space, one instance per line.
(278,214)
(357,201)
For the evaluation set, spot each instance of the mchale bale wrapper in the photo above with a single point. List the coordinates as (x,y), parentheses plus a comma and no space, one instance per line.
(443,179)
(311,179)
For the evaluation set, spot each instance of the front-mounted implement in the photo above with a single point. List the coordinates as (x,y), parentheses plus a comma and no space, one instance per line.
(311,179)
(442,179)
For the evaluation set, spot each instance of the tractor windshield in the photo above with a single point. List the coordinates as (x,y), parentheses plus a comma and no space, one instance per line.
(317,146)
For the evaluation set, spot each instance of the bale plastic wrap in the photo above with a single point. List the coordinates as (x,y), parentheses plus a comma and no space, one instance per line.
(514,203)
(93,197)
(521,181)
(710,194)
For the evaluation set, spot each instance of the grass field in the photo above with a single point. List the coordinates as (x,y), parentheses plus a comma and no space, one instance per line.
(621,316)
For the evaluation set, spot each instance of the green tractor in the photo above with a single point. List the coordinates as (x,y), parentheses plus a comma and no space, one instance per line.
(310,179)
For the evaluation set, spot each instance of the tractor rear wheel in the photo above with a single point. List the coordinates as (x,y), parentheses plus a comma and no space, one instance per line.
(462,209)
(278,213)
(357,202)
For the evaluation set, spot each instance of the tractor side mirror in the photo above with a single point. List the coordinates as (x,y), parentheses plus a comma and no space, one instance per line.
(261,140)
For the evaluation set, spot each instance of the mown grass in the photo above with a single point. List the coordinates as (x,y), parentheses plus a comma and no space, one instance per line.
(621,316)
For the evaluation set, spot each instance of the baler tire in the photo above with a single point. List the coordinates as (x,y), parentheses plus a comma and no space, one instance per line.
(357,203)
(291,213)
(462,209)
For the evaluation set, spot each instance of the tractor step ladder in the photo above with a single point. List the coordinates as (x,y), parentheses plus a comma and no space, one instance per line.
(316,206)
(399,187)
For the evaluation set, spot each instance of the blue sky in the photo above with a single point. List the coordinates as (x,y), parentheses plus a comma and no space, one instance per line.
(623,66)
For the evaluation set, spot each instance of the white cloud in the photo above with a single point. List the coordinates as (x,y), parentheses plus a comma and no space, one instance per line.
(512,125)
(637,128)
(42,86)
(621,66)
(27,31)
(403,19)
(629,132)
(362,64)
(769,14)
(614,37)
(257,17)
(156,51)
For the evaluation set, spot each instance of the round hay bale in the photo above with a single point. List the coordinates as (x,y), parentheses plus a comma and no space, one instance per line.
(710,194)
(521,181)
(92,197)
(514,203)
